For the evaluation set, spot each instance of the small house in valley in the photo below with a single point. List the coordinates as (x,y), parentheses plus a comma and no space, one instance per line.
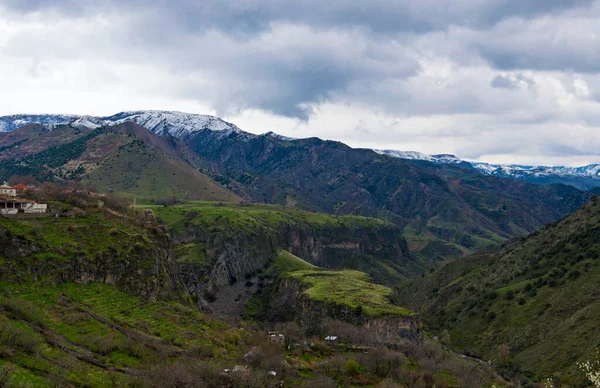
(11,204)
(276,337)
(331,339)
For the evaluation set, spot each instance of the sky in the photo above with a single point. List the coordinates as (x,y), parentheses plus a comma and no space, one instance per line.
(501,81)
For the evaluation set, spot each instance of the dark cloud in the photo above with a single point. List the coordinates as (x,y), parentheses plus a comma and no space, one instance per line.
(459,73)
(67,7)
(563,42)
(380,16)
(503,82)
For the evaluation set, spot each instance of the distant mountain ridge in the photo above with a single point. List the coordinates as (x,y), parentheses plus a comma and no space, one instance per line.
(177,124)
(186,125)
(583,177)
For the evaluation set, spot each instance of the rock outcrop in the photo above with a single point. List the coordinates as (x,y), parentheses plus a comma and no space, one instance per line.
(380,330)
(234,254)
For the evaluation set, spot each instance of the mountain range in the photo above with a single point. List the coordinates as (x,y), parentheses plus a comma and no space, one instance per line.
(444,210)
(306,223)
(584,177)
(184,125)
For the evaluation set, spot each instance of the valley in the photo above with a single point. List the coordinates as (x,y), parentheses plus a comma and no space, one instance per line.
(98,295)
(177,246)
(530,307)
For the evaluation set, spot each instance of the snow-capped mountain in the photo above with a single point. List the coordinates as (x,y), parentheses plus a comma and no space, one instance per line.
(186,125)
(414,155)
(177,124)
(10,123)
(584,177)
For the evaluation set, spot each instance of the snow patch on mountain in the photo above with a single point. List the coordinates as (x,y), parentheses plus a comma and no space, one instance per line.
(279,137)
(89,122)
(412,155)
(12,122)
(500,170)
(178,124)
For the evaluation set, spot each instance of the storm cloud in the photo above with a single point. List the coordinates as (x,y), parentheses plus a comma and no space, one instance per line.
(496,79)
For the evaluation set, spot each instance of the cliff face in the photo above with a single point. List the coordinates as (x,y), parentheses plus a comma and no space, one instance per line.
(289,300)
(381,252)
(234,254)
(230,256)
(141,265)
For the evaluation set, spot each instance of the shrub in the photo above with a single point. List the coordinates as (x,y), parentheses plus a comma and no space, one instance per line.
(233,337)
(352,367)
(321,382)
(18,337)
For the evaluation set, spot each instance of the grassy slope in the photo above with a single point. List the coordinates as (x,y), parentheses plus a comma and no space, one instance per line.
(345,287)
(540,297)
(253,216)
(56,241)
(55,333)
(136,168)
(94,335)
(125,159)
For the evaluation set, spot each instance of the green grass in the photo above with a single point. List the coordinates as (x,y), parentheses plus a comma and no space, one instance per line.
(537,297)
(63,315)
(221,215)
(285,262)
(193,253)
(91,233)
(344,287)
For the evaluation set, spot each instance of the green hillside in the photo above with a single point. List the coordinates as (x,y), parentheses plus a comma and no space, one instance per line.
(136,168)
(345,287)
(127,159)
(93,335)
(251,216)
(533,307)
(93,298)
(343,242)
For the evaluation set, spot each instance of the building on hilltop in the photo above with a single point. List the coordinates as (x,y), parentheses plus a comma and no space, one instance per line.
(11,204)
(7,190)
(14,205)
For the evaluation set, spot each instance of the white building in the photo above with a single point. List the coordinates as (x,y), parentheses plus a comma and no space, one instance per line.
(17,205)
(7,190)
(11,204)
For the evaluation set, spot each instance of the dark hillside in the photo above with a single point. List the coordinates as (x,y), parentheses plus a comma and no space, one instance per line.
(444,210)
(532,307)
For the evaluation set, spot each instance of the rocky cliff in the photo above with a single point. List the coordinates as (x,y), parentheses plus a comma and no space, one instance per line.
(58,250)
(289,299)
(233,253)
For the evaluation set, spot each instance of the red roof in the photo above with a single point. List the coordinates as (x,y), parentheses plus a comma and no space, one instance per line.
(20,186)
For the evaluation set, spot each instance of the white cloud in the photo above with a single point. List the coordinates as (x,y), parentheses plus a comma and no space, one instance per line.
(478,79)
